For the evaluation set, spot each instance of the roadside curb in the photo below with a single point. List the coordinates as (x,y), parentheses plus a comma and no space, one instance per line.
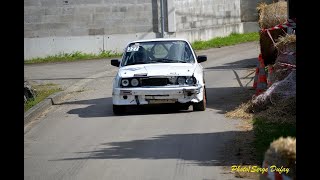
(36,110)
(57,98)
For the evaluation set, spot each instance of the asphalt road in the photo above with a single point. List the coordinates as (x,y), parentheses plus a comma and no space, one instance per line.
(81,139)
(65,74)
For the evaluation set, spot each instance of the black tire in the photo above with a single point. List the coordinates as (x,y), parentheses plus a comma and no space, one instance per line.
(201,106)
(118,110)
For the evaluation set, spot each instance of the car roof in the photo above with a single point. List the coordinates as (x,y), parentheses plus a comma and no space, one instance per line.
(159,39)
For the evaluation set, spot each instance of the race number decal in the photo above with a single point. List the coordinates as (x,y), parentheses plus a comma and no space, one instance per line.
(133,48)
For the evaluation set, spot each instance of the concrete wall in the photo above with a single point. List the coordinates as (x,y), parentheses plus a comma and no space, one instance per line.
(249,14)
(249,11)
(45,46)
(47,18)
(206,19)
(55,26)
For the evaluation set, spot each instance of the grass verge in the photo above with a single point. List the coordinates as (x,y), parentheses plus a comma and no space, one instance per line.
(265,132)
(75,56)
(232,39)
(42,91)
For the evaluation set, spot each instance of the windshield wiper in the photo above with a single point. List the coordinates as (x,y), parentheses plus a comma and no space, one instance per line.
(181,61)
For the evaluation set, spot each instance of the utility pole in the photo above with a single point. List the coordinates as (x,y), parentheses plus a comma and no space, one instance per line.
(162,18)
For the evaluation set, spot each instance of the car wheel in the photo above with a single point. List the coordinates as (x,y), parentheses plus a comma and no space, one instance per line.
(118,110)
(201,106)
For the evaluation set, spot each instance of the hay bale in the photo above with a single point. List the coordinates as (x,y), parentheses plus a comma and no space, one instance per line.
(272,14)
(283,89)
(280,72)
(286,44)
(282,112)
(285,58)
(287,41)
(282,152)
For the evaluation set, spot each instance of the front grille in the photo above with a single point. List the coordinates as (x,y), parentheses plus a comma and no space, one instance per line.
(154,82)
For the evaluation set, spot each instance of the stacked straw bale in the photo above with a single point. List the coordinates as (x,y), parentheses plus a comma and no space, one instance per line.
(270,16)
(283,78)
(277,92)
(284,45)
(282,152)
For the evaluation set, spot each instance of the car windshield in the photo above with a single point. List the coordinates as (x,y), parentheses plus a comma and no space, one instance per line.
(158,52)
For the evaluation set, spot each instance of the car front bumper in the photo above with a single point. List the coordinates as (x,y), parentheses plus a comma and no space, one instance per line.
(158,95)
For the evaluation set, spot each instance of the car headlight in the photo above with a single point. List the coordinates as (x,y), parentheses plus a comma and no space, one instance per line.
(181,80)
(190,80)
(134,82)
(125,82)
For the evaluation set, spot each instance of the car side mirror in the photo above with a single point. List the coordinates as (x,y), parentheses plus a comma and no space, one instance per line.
(115,62)
(201,58)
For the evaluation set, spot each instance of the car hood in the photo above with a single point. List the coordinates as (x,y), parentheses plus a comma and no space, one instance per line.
(165,69)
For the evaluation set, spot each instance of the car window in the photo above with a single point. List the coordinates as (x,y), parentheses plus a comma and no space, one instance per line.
(188,54)
(158,52)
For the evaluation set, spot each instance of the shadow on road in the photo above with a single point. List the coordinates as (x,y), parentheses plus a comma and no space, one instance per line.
(203,149)
(227,98)
(102,107)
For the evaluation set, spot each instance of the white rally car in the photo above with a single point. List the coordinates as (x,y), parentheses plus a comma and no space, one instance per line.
(159,71)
